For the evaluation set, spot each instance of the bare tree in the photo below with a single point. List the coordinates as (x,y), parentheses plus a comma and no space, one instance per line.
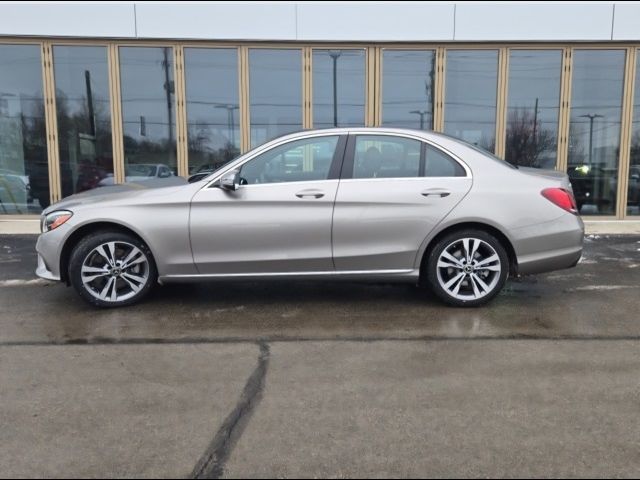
(526,139)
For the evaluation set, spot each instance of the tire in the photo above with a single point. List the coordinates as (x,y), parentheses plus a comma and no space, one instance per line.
(460,283)
(97,269)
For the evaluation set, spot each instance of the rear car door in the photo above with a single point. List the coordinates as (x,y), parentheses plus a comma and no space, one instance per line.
(279,218)
(393,191)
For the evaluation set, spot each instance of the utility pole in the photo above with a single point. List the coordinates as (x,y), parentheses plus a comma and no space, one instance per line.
(92,118)
(335,54)
(169,90)
(535,122)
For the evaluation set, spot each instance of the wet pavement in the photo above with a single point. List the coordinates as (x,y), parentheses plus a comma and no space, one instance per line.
(324,379)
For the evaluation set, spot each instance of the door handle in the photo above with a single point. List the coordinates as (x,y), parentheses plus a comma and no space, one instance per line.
(436,192)
(310,193)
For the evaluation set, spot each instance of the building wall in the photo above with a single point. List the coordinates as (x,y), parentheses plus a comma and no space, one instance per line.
(99,94)
(329,21)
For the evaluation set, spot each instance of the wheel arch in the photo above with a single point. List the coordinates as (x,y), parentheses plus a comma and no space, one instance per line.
(486,227)
(87,229)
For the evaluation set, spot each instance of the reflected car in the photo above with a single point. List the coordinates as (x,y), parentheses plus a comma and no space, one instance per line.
(15,193)
(633,198)
(138,172)
(367,204)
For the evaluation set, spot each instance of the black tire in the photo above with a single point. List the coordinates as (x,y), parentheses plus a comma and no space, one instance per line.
(87,245)
(430,268)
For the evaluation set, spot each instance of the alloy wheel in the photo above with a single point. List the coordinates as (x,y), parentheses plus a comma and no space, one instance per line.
(115,271)
(468,269)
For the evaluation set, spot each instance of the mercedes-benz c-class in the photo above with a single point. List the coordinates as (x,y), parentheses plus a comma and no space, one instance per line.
(358,204)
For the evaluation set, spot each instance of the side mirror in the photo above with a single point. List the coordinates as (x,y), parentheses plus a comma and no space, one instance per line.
(230,180)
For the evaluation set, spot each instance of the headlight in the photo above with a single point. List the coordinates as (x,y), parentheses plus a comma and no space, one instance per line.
(53,220)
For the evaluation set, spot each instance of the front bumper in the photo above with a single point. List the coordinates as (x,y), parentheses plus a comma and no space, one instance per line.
(49,249)
(43,271)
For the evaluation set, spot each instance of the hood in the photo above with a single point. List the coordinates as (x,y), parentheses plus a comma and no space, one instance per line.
(117,192)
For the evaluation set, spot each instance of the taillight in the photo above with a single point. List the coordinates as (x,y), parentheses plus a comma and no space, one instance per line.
(562,198)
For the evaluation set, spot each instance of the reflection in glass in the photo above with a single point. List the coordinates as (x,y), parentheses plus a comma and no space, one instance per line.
(275,93)
(148,111)
(382,156)
(84,116)
(633,192)
(470,96)
(594,129)
(338,88)
(305,160)
(532,108)
(24,172)
(408,88)
(213,117)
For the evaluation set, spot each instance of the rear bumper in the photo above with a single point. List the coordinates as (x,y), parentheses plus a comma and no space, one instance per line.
(550,261)
(550,246)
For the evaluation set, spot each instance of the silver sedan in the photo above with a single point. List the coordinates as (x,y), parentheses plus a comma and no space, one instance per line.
(356,204)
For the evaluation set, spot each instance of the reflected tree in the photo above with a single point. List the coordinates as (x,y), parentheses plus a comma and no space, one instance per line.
(526,140)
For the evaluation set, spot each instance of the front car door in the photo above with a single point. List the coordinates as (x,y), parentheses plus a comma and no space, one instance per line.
(279,218)
(394,190)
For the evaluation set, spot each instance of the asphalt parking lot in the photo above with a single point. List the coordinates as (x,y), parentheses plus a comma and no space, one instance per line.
(302,379)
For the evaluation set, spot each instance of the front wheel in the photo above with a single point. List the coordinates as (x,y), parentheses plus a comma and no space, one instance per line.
(112,269)
(467,268)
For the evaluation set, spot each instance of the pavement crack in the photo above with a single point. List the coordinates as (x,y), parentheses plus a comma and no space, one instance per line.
(212,462)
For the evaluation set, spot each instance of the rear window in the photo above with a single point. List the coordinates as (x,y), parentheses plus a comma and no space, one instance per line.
(481,150)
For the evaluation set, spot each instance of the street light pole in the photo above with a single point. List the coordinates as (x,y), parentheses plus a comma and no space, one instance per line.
(334,54)
(591,117)
(230,121)
(422,113)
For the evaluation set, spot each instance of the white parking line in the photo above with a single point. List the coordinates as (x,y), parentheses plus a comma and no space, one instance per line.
(600,287)
(24,283)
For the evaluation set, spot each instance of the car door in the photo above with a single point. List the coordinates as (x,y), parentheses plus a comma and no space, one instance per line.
(394,190)
(279,218)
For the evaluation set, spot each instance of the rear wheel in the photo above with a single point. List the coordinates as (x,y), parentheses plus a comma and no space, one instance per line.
(467,268)
(112,269)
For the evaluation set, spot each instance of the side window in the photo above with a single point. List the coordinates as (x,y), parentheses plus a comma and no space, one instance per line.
(382,156)
(439,164)
(308,159)
(165,172)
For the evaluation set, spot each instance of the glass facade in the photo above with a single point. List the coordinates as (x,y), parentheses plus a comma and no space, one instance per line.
(84,117)
(470,101)
(533,107)
(633,191)
(408,88)
(275,93)
(338,88)
(184,107)
(213,104)
(594,129)
(148,112)
(24,171)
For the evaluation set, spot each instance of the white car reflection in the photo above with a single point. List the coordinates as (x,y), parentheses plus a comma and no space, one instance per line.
(140,172)
(14,192)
